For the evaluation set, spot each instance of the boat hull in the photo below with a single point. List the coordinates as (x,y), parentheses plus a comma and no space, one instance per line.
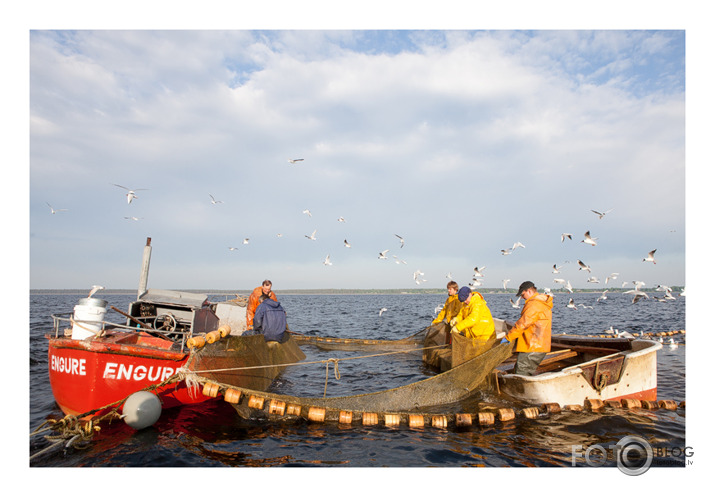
(93,375)
(626,374)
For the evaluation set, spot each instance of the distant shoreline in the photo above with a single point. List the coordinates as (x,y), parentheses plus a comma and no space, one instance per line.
(337,291)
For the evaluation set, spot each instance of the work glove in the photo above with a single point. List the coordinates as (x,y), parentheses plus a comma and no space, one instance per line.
(453,322)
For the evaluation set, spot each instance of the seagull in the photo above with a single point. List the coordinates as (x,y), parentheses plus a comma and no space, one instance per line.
(449,275)
(601,214)
(669,296)
(663,288)
(417,274)
(639,284)
(131,195)
(672,344)
(568,287)
(560,281)
(133,218)
(398,260)
(592,279)
(556,270)
(571,305)
(651,256)
(475,283)
(612,276)
(586,306)
(53,210)
(587,239)
(293,161)
(383,254)
(280,235)
(402,241)
(517,245)
(583,266)
(506,251)
(515,305)
(306,211)
(564,236)
(327,262)
(311,236)
(504,282)
(341,219)
(602,297)
(382,310)
(478,271)
(214,201)
(347,245)
(95,289)
(438,309)
(637,295)
(233,248)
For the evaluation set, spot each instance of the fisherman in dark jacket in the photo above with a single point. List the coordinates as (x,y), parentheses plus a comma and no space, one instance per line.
(270,320)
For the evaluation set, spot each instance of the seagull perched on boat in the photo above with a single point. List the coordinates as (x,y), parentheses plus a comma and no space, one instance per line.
(601,214)
(131,195)
(327,262)
(347,245)
(214,201)
(651,256)
(556,269)
(53,210)
(382,310)
(307,211)
(293,161)
(311,236)
(571,305)
(588,240)
(383,254)
(564,236)
(583,266)
(95,289)
(515,305)
(402,241)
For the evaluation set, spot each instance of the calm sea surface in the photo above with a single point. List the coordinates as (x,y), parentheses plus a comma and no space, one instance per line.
(212,435)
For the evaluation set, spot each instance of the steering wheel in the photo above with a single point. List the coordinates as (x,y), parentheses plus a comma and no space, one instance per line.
(165,322)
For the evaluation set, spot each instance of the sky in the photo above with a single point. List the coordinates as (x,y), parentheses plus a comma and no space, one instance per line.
(461,142)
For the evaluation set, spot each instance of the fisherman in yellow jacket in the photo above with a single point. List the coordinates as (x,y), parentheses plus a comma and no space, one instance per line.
(532,331)
(475,319)
(451,306)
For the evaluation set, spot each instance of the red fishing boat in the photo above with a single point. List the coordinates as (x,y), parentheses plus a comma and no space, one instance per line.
(94,363)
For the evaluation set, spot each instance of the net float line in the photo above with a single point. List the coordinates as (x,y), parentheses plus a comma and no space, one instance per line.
(261,406)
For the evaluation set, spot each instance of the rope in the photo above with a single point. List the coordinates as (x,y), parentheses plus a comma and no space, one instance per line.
(337,373)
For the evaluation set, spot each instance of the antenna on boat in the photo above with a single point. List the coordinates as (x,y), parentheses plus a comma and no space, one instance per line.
(144,277)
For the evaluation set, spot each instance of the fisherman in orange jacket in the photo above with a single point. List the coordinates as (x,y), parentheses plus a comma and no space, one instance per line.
(255,299)
(532,331)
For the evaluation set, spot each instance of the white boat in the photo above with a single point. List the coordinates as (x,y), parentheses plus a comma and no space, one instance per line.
(580,368)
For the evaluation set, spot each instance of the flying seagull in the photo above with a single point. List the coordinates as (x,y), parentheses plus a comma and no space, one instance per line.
(556,270)
(311,236)
(293,161)
(383,255)
(515,305)
(571,305)
(583,266)
(53,210)
(133,218)
(588,240)
(306,211)
(504,282)
(131,195)
(398,260)
(402,241)
(651,256)
(478,271)
(214,201)
(601,214)
(341,219)
(327,262)
(382,310)
(245,241)
(564,236)
(347,245)
(95,289)
(611,276)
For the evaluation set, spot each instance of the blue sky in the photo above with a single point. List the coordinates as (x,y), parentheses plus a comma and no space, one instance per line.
(461,142)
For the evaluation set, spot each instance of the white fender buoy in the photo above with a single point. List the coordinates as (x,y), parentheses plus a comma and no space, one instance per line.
(142,409)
